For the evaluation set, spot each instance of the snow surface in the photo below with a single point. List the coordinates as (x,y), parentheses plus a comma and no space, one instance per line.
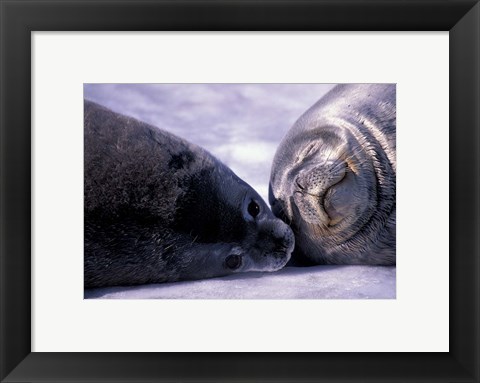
(242,125)
(317,282)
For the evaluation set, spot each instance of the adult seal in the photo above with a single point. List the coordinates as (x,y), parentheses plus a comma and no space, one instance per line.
(160,209)
(334,175)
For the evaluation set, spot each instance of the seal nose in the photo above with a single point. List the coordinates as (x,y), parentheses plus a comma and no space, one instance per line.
(283,237)
(311,179)
(300,181)
(317,180)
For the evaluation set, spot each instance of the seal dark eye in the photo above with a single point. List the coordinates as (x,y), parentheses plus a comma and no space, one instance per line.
(253,208)
(233,261)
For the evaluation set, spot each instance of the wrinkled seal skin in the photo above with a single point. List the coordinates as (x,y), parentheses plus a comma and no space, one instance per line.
(334,175)
(160,209)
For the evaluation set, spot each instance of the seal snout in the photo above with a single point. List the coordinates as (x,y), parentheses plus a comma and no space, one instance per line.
(317,180)
(283,239)
(315,185)
(274,245)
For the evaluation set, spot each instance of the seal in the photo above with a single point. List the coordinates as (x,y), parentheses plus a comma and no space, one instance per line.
(160,209)
(333,178)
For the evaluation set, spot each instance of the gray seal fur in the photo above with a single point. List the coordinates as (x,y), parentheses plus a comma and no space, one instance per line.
(160,209)
(333,178)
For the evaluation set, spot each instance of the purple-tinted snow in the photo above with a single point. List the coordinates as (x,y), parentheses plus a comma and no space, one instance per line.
(326,282)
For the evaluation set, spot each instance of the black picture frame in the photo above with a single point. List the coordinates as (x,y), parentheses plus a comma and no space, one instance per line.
(19,18)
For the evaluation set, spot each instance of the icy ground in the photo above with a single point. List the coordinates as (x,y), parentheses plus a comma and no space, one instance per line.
(318,282)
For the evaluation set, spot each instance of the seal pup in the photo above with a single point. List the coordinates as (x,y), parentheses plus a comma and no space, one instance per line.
(160,209)
(333,178)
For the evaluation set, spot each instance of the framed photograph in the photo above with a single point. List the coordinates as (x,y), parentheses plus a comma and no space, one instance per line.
(202,177)
(230,65)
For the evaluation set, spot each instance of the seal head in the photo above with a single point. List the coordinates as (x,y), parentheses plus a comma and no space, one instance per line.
(334,175)
(160,209)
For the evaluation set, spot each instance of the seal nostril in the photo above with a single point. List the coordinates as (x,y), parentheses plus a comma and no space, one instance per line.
(297,181)
(281,239)
(233,261)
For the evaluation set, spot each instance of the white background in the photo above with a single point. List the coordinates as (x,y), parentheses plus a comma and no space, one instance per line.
(416,321)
